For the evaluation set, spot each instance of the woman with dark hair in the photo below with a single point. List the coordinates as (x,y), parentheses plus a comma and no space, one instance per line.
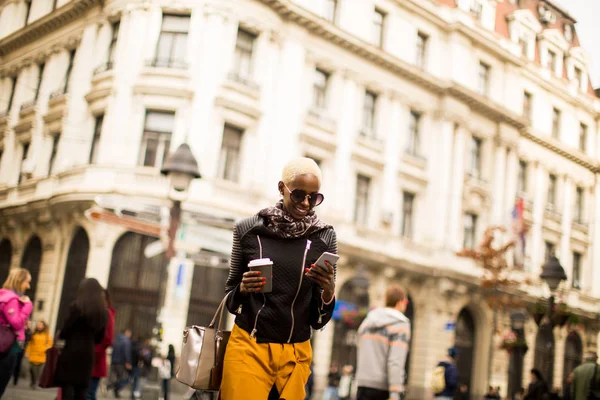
(100,370)
(84,327)
(269,347)
(538,389)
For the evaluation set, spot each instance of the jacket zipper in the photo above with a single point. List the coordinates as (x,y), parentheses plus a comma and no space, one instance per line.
(308,243)
(254,329)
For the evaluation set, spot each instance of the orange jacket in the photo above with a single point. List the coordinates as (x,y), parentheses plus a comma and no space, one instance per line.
(36,349)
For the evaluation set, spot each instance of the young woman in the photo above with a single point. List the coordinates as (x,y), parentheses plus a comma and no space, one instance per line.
(84,327)
(100,370)
(269,345)
(36,351)
(15,309)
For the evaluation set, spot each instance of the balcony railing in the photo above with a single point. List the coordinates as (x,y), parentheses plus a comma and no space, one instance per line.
(57,93)
(27,105)
(166,63)
(236,77)
(107,66)
(414,153)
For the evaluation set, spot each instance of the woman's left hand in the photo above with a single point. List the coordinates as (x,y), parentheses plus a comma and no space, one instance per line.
(325,279)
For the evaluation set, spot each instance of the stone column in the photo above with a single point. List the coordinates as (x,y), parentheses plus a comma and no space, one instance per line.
(441,179)
(456,189)
(390,201)
(566,259)
(344,188)
(499,183)
(539,205)
(510,189)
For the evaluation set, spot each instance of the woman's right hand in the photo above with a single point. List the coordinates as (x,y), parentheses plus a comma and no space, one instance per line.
(25,299)
(252,282)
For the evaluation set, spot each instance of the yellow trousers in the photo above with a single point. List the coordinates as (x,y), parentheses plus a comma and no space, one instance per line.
(250,368)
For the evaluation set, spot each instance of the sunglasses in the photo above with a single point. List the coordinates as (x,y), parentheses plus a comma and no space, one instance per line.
(298,196)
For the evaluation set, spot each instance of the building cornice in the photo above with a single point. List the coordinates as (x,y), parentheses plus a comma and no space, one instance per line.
(45,25)
(562,151)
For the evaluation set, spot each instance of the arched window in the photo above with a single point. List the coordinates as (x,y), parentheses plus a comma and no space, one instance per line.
(75,268)
(5,259)
(464,344)
(32,258)
(352,305)
(573,354)
(544,353)
(136,284)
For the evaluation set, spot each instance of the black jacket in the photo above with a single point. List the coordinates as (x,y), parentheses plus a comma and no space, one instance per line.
(76,360)
(294,305)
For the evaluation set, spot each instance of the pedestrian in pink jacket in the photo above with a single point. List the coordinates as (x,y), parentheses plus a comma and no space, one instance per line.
(15,309)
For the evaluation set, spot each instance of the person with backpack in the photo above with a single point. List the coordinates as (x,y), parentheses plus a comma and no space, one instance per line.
(15,309)
(586,379)
(445,377)
(383,340)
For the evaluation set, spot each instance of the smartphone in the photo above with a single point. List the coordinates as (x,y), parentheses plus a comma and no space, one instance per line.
(329,257)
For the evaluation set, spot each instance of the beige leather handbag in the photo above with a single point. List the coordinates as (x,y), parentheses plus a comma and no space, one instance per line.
(202,354)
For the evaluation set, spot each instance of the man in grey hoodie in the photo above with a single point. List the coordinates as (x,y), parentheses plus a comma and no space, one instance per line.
(383,340)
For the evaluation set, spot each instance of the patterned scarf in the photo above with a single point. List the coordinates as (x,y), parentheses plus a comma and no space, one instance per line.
(279,222)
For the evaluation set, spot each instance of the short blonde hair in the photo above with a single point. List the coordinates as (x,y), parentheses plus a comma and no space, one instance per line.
(16,278)
(298,167)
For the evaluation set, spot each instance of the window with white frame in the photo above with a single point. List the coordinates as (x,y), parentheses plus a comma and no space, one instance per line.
(476,147)
(53,154)
(578,76)
(576,281)
(483,78)
(583,133)
(156,140)
(413,142)
(551,196)
(25,153)
(369,110)
(361,203)
(11,96)
(230,159)
(421,50)
(320,86)
(556,116)
(244,45)
(408,202)
(330,10)
(38,85)
(171,51)
(551,61)
(99,121)
(469,230)
(578,212)
(112,48)
(527,105)
(522,178)
(378,27)
(476,9)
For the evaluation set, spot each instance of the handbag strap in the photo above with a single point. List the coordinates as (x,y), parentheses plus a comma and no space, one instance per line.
(219,313)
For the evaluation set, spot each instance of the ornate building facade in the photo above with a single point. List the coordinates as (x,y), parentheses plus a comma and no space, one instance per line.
(429,120)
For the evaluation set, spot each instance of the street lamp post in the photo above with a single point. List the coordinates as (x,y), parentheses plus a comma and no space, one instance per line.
(180,168)
(553,274)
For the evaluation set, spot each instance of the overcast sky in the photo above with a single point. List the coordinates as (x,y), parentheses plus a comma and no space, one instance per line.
(587,14)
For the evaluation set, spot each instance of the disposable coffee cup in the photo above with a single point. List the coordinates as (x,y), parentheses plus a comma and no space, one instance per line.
(265,266)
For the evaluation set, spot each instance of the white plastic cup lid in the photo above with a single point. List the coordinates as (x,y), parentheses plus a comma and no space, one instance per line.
(260,262)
